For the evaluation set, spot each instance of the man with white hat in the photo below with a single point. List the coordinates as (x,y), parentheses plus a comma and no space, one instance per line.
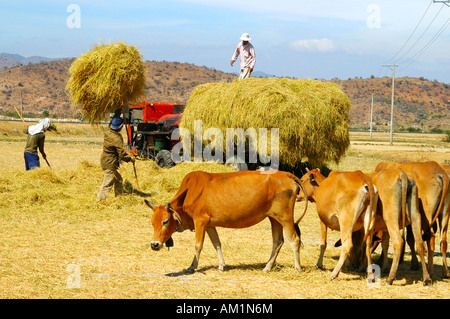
(35,141)
(248,58)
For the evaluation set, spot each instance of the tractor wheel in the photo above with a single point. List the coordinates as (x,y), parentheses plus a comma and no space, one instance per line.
(164,159)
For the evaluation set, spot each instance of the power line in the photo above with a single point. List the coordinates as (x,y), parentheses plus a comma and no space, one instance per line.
(423,33)
(418,54)
(406,42)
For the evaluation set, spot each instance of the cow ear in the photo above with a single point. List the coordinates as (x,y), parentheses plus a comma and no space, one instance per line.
(177,218)
(312,177)
(174,213)
(149,204)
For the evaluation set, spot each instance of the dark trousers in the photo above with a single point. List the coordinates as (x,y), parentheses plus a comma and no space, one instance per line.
(31,161)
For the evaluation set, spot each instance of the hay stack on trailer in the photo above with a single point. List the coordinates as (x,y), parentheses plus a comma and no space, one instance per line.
(106,79)
(312,116)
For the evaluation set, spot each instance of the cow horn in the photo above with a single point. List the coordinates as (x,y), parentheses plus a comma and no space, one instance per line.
(307,169)
(149,204)
(169,208)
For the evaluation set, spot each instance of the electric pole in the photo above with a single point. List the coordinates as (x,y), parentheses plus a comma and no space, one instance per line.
(392,99)
(371,117)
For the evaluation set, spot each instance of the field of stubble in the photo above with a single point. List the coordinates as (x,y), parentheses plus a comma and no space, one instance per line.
(58,242)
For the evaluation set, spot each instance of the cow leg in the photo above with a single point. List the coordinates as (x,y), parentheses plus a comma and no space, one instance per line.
(430,247)
(384,251)
(444,228)
(410,235)
(200,229)
(347,245)
(323,244)
(277,236)
(417,231)
(397,242)
(214,236)
(294,239)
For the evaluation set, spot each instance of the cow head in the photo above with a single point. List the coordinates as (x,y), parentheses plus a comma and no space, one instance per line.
(310,181)
(165,221)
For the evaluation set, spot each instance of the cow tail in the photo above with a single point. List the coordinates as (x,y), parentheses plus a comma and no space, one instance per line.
(372,206)
(445,181)
(299,183)
(404,182)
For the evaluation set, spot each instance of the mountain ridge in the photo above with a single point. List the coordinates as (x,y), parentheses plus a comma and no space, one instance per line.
(419,103)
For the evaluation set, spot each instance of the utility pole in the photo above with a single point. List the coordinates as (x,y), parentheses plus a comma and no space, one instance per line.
(447,2)
(371,117)
(392,99)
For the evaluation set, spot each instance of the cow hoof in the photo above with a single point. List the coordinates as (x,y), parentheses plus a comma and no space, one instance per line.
(427,282)
(189,271)
(320,267)
(389,282)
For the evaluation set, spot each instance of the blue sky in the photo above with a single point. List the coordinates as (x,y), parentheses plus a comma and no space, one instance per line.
(303,38)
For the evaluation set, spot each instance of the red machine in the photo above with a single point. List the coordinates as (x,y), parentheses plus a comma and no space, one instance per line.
(149,130)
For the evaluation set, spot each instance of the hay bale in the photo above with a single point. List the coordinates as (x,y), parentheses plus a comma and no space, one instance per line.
(312,116)
(105,79)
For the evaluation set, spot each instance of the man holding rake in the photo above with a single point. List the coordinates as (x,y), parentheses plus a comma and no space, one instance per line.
(113,151)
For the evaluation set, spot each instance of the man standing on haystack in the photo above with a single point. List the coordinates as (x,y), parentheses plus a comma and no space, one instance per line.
(35,140)
(113,151)
(248,58)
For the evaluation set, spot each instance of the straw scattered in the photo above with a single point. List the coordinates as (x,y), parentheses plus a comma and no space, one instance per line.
(312,116)
(105,79)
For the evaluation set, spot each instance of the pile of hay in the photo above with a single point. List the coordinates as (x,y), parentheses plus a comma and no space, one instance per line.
(312,116)
(106,79)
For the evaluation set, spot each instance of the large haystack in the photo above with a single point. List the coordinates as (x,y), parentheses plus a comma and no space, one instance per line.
(105,79)
(312,116)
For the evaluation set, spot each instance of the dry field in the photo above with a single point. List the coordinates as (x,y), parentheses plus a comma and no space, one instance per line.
(58,242)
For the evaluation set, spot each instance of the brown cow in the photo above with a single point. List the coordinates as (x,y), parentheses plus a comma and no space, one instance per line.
(345,201)
(396,208)
(205,201)
(444,220)
(432,184)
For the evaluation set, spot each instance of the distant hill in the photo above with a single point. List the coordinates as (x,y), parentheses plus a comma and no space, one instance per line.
(19,59)
(40,87)
(419,102)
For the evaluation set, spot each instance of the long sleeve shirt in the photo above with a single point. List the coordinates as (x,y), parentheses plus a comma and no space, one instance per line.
(113,150)
(34,142)
(247,53)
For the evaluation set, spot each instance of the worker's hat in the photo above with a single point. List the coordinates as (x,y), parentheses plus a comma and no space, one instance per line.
(245,37)
(116,123)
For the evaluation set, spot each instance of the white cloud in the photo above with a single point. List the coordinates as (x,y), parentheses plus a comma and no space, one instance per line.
(314,45)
